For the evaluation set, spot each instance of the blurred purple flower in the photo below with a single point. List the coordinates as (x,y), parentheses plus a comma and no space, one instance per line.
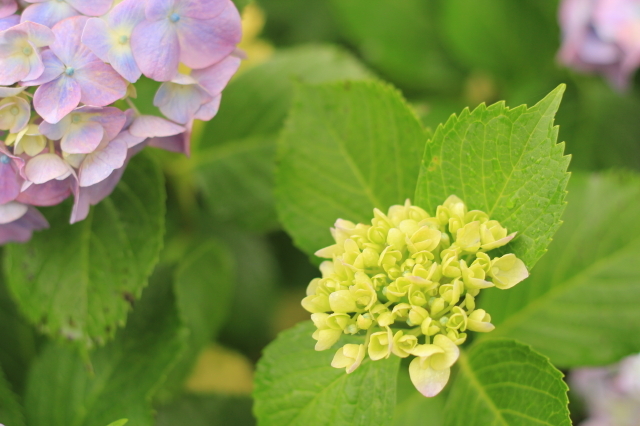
(73,74)
(9,21)
(8,7)
(81,131)
(20,52)
(601,36)
(109,37)
(11,177)
(50,12)
(21,229)
(47,194)
(198,33)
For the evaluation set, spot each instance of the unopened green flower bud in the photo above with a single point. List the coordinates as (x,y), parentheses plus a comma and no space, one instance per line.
(429,327)
(401,310)
(458,319)
(456,206)
(349,356)
(507,271)
(363,292)
(451,292)
(396,239)
(476,215)
(474,276)
(316,303)
(456,337)
(480,321)
(386,318)
(469,302)
(364,321)
(338,321)
(416,297)
(313,286)
(403,344)
(450,263)
(326,338)
(424,239)
(468,237)
(380,344)
(417,315)
(494,235)
(342,301)
(437,306)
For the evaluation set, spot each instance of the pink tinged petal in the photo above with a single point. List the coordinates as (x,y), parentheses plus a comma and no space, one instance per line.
(156,49)
(68,42)
(21,230)
(206,42)
(111,119)
(125,64)
(97,38)
(428,381)
(180,143)
(149,126)
(6,92)
(11,211)
(126,15)
(201,9)
(47,194)
(92,195)
(35,64)
(100,84)
(8,7)
(158,9)
(10,179)
(46,167)
(209,110)
(91,8)
(13,69)
(57,98)
(55,131)
(82,138)
(216,77)
(180,102)
(53,68)
(39,35)
(129,139)
(9,21)
(100,164)
(48,13)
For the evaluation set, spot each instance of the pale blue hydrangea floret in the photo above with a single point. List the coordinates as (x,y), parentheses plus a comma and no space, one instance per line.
(66,74)
(408,283)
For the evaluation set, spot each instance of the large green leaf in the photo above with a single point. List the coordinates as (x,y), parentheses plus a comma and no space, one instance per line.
(123,375)
(203,287)
(401,39)
(580,305)
(11,412)
(413,408)
(505,383)
(296,385)
(78,281)
(347,148)
(234,159)
(505,162)
(206,410)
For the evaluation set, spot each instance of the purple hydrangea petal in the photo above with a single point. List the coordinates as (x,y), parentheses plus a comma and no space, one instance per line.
(47,194)
(159,9)
(98,165)
(39,35)
(57,98)
(8,7)
(129,139)
(82,138)
(21,230)
(68,44)
(97,38)
(208,110)
(149,126)
(201,9)
(91,8)
(11,179)
(46,167)
(217,76)
(9,21)
(12,211)
(35,65)
(48,13)
(206,42)
(180,102)
(180,143)
(53,68)
(100,84)
(156,49)
(92,195)
(13,68)
(111,119)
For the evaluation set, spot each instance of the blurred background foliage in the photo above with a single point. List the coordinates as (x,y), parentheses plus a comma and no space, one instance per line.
(223,239)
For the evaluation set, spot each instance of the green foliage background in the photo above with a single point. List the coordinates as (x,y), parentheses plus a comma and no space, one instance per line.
(159,306)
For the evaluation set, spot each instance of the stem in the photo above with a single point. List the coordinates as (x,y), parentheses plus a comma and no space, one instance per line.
(132,105)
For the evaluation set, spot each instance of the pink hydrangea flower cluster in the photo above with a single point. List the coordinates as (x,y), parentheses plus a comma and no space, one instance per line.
(601,36)
(67,67)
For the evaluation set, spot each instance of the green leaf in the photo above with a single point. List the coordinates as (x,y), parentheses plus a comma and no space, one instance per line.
(203,287)
(347,148)
(78,281)
(120,422)
(11,412)
(401,39)
(122,377)
(413,408)
(207,410)
(234,159)
(18,341)
(505,162)
(296,385)
(580,305)
(506,383)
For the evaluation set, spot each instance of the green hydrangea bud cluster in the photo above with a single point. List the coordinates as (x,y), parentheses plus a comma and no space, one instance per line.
(409,281)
